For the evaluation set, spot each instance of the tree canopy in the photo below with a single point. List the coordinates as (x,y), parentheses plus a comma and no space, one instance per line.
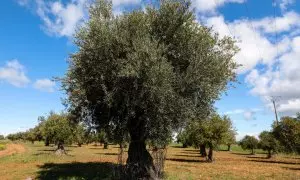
(146,73)
(249,142)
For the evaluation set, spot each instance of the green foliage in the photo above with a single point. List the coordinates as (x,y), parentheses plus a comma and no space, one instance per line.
(2,137)
(212,131)
(57,128)
(268,142)
(2,147)
(146,72)
(17,136)
(79,134)
(249,142)
(288,133)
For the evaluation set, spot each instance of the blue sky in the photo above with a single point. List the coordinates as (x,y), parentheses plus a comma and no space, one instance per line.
(36,40)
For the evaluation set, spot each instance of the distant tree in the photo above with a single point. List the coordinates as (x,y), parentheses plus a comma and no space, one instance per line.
(268,142)
(249,142)
(146,73)
(57,129)
(30,135)
(19,136)
(288,133)
(102,138)
(210,132)
(184,138)
(230,139)
(2,137)
(79,134)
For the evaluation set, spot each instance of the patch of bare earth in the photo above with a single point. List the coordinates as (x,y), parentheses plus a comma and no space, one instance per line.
(12,149)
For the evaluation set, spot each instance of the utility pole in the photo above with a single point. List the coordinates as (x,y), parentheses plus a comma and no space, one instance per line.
(274,99)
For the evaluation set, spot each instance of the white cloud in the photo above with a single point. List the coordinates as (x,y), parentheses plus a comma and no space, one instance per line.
(210,6)
(283,81)
(45,85)
(289,20)
(14,73)
(61,19)
(249,114)
(284,3)
(240,135)
(254,47)
(124,2)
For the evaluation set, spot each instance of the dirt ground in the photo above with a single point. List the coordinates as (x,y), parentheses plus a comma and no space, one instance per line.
(93,162)
(12,149)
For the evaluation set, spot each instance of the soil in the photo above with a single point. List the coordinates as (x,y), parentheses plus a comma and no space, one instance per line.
(12,149)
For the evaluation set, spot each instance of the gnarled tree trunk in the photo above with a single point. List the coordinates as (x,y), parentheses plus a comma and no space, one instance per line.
(269,154)
(60,149)
(229,147)
(47,143)
(252,151)
(105,145)
(210,154)
(139,163)
(203,150)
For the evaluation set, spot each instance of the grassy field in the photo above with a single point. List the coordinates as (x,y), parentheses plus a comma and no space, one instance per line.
(2,147)
(93,162)
(3,144)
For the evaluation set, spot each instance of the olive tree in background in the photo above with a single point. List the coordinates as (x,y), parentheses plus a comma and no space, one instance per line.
(287,132)
(146,73)
(57,130)
(269,143)
(250,143)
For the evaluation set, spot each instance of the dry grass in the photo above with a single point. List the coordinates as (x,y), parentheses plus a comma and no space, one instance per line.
(89,162)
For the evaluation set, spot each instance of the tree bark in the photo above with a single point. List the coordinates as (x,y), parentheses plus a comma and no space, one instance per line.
(140,164)
(203,150)
(60,149)
(210,154)
(269,154)
(105,145)
(229,147)
(252,151)
(47,143)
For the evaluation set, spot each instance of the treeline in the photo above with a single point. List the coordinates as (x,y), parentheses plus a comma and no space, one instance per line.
(283,137)
(211,132)
(59,129)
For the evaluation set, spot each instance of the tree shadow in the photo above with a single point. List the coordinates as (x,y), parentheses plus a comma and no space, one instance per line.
(241,154)
(186,160)
(191,153)
(274,162)
(291,168)
(176,147)
(109,154)
(97,148)
(76,170)
(255,157)
(51,150)
(191,150)
(183,155)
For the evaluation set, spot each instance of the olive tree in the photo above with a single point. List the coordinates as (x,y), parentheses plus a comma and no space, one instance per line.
(249,142)
(230,138)
(2,137)
(146,73)
(210,132)
(268,142)
(57,130)
(288,134)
